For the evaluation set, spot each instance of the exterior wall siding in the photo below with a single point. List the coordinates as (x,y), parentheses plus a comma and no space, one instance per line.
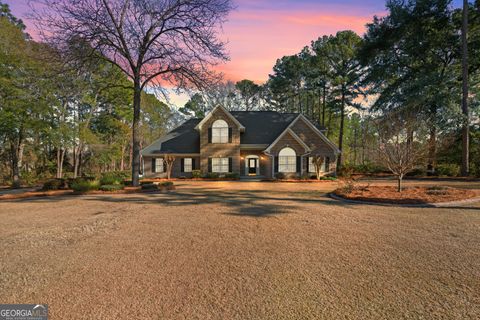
(287,141)
(176,170)
(221,150)
(315,143)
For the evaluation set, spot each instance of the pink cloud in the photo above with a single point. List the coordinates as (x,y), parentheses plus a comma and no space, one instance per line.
(258,38)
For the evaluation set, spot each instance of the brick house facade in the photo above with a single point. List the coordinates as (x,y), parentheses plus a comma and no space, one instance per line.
(248,143)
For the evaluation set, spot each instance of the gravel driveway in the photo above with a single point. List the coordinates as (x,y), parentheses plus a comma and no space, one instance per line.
(239,250)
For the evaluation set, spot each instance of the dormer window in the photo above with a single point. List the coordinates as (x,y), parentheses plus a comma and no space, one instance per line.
(220,131)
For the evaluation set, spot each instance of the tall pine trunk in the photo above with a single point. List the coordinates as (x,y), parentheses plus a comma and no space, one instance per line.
(340,136)
(136,134)
(466,119)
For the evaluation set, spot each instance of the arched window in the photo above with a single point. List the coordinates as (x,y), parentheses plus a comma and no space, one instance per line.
(287,160)
(220,131)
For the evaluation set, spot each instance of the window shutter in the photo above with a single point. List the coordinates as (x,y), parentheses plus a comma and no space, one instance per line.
(327,164)
(209,164)
(230,165)
(193,164)
(153,165)
(163,165)
(230,135)
(209,135)
(299,164)
(276,164)
(182,165)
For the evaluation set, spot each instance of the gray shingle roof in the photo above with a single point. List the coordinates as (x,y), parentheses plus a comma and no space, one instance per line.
(183,139)
(261,127)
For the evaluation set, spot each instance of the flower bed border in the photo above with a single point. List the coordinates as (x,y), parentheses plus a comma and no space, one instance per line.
(69,192)
(414,205)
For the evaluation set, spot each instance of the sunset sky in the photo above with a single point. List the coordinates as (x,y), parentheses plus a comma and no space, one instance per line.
(260,31)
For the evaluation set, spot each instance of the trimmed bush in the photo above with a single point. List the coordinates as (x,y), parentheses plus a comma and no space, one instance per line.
(448,169)
(232,175)
(211,175)
(149,186)
(114,177)
(328,178)
(111,187)
(305,176)
(280,175)
(196,174)
(55,184)
(167,183)
(85,185)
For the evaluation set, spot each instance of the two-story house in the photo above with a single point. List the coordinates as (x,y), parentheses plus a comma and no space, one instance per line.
(250,143)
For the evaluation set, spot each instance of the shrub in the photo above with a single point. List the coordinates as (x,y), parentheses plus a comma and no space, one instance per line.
(329,178)
(367,168)
(114,177)
(211,175)
(149,186)
(55,184)
(196,174)
(305,176)
(80,185)
(280,175)
(167,183)
(348,187)
(111,187)
(436,188)
(232,175)
(417,172)
(346,171)
(448,169)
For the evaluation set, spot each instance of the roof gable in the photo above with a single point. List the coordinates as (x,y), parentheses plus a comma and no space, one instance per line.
(209,115)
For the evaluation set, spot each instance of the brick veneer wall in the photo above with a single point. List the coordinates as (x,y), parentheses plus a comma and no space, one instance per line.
(221,150)
(176,170)
(317,146)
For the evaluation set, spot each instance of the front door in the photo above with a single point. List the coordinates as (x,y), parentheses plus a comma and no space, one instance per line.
(252,167)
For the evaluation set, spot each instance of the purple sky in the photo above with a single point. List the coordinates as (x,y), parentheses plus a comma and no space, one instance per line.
(261,31)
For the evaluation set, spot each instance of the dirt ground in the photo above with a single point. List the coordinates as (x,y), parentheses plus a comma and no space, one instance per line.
(240,250)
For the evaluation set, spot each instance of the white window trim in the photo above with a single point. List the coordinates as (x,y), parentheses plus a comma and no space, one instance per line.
(220,165)
(287,163)
(187,167)
(159,163)
(220,133)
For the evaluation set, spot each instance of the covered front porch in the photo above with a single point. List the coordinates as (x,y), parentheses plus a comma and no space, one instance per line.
(254,164)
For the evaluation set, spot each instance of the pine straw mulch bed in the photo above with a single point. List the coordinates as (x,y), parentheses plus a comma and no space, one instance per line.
(49,193)
(409,195)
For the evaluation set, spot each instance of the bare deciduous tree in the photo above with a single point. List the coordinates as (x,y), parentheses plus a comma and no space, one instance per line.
(399,147)
(317,163)
(169,161)
(155,43)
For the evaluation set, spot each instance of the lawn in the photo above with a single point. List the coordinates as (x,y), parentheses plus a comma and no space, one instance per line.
(240,250)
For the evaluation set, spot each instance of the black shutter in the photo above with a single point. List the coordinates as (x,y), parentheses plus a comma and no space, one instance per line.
(276,164)
(209,164)
(193,164)
(229,135)
(153,165)
(209,135)
(299,164)
(182,165)
(327,164)
(230,165)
